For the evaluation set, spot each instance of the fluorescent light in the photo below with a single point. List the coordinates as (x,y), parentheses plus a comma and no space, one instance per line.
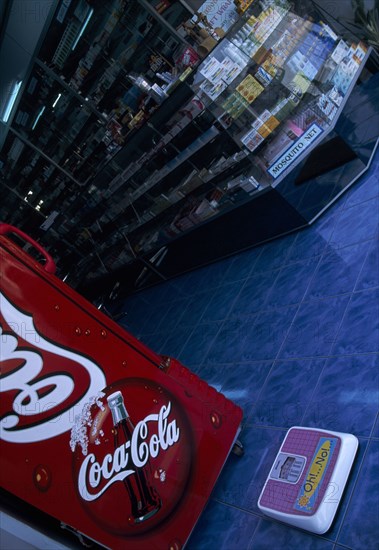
(11,101)
(56,100)
(38,117)
(83,28)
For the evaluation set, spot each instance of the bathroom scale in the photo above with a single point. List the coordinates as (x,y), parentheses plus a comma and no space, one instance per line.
(307,479)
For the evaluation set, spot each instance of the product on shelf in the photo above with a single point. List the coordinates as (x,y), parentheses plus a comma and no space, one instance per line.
(249,88)
(252,139)
(235,105)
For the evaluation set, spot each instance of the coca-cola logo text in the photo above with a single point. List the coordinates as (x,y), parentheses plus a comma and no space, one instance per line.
(131,455)
(47,398)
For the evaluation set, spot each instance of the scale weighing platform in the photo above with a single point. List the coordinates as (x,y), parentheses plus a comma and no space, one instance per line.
(308,477)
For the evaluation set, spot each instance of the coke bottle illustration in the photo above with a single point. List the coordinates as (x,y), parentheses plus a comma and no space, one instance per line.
(144,499)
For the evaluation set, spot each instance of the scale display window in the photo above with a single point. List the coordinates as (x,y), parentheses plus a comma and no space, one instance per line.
(288,468)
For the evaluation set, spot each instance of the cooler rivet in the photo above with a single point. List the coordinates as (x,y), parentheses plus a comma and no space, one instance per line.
(175,545)
(87,332)
(78,331)
(215,419)
(56,307)
(104,333)
(42,477)
(124,363)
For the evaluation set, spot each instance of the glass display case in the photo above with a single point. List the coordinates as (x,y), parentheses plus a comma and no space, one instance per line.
(270,92)
(143,127)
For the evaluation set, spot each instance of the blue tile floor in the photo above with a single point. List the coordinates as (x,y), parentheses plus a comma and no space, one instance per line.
(290,332)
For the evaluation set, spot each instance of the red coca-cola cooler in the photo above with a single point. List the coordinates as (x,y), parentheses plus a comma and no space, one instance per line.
(98,431)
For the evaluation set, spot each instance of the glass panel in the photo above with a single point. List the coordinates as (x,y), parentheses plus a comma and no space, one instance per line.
(277,83)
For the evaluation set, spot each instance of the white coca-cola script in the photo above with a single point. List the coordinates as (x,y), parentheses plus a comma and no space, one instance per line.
(151,435)
(24,379)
